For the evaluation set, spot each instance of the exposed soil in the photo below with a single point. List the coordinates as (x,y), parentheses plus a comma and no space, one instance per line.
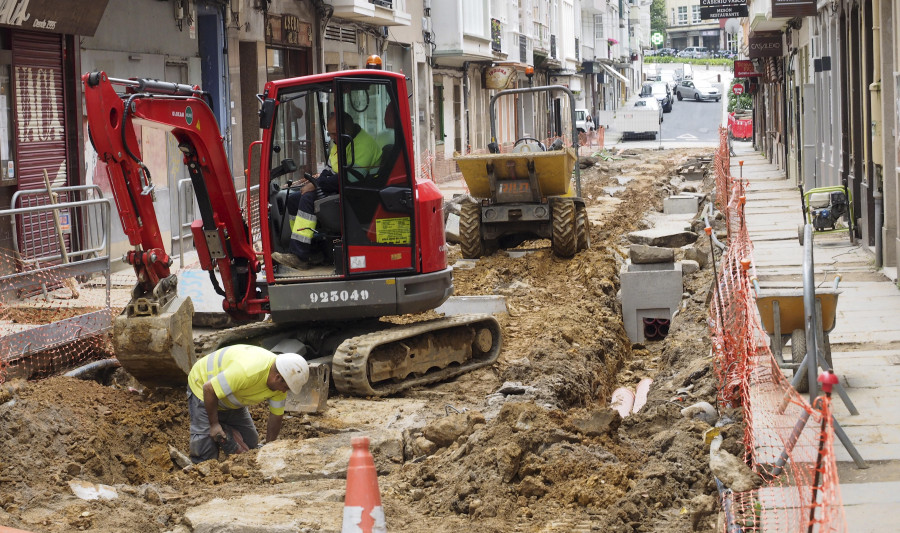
(543,454)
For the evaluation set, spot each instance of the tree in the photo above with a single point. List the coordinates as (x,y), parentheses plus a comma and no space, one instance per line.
(658,16)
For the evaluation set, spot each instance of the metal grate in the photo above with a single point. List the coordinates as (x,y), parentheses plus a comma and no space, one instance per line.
(553,46)
(523,49)
(342,34)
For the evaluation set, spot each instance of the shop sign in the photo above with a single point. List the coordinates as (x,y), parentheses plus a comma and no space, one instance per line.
(766,44)
(55,16)
(497,77)
(743,68)
(288,30)
(793,8)
(723,9)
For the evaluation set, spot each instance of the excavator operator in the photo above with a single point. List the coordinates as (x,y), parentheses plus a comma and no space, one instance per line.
(362,151)
(222,385)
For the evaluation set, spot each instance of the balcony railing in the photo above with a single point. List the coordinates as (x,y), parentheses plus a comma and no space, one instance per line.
(377,12)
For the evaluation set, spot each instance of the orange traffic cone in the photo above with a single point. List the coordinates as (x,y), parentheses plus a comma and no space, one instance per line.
(362,503)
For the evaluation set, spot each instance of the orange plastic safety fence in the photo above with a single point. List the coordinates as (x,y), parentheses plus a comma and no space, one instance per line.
(49,321)
(787,442)
(426,165)
(722,166)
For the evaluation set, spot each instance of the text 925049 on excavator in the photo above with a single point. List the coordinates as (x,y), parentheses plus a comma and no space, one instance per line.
(379,240)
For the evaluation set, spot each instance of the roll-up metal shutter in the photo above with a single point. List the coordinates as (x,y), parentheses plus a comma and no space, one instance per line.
(39,121)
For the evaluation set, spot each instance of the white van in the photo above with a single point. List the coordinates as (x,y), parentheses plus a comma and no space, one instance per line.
(696,52)
(687,72)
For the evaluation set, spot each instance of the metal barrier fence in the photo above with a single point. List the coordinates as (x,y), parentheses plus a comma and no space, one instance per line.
(85,226)
(46,322)
(186,212)
(787,441)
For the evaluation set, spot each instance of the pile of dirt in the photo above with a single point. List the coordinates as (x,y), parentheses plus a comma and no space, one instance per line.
(533,446)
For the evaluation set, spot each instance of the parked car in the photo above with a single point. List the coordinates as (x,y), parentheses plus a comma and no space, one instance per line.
(648,102)
(583,121)
(665,52)
(695,52)
(660,91)
(698,90)
(670,78)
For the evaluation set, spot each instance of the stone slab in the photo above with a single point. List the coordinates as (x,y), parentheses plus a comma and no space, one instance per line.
(286,508)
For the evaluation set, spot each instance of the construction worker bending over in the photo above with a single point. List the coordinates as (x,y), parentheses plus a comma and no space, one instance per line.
(224,383)
(363,153)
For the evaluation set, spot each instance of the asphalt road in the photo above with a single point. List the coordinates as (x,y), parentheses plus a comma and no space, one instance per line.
(690,123)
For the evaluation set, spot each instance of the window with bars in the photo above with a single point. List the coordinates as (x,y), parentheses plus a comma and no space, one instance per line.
(682,15)
(695,14)
(523,49)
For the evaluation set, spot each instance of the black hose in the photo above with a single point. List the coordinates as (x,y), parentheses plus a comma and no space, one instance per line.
(82,371)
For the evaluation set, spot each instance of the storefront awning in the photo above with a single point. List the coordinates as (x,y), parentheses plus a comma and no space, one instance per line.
(615,73)
(55,16)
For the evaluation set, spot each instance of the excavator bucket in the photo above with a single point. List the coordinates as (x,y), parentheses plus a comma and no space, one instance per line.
(158,349)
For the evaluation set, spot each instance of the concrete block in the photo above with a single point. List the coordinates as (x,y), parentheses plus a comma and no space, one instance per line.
(650,267)
(649,293)
(463,305)
(681,204)
(451,228)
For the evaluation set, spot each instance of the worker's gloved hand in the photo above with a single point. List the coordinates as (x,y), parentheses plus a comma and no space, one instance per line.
(216,433)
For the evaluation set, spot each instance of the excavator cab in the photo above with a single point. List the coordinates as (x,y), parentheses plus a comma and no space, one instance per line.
(301,147)
(374,225)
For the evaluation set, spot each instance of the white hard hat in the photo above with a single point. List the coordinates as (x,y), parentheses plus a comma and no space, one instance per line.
(294,369)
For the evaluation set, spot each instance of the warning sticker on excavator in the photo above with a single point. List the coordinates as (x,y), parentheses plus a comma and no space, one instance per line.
(392,230)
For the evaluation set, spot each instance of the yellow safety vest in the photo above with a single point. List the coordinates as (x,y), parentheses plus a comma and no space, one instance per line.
(238,375)
(366,152)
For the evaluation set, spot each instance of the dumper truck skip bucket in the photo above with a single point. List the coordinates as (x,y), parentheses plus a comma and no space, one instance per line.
(526,193)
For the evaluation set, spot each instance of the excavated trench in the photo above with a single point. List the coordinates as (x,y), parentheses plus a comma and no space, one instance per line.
(528,444)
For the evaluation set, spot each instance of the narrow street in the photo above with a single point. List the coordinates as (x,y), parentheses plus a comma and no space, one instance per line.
(457,246)
(527,444)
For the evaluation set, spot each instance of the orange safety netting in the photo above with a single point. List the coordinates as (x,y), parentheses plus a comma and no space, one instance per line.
(49,320)
(788,442)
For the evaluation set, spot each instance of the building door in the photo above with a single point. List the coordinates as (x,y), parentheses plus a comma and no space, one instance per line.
(39,130)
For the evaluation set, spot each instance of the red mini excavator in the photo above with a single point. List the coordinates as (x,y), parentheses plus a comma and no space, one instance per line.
(380,239)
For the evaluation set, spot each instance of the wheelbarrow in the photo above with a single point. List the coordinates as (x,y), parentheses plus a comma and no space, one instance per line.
(783,319)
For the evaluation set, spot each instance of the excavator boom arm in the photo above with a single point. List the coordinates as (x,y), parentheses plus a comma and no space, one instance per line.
(221,234)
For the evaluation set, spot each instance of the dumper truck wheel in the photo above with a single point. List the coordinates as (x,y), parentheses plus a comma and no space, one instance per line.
(564,237)
(470,242)
(583,229)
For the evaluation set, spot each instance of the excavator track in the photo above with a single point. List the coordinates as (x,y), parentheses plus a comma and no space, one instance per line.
(389,361)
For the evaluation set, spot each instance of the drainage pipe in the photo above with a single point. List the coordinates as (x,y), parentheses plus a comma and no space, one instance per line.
(727,499)
(879,223)
(706,212)
(82,371)
(662,327)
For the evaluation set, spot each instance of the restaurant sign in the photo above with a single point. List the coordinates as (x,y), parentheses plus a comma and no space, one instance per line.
(55,16)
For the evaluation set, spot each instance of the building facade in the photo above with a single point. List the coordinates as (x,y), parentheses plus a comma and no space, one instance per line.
(826,110)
